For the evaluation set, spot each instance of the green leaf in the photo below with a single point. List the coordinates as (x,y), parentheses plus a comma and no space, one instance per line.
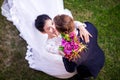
(61,48)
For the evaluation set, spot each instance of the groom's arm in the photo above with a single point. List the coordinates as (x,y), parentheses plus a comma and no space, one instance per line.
(69,65)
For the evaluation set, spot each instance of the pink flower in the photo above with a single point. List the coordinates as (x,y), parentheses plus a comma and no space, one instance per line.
(76,47)
(63,42)
(67,48)
(72,35)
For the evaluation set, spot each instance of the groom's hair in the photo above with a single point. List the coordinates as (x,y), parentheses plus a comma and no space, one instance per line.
(64,23)
(40,22)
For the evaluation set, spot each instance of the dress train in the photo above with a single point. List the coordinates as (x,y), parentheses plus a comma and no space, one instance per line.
(23,14)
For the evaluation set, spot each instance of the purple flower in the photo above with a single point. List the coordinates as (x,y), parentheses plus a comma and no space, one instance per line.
(64,42)
(72,35)
(76,46)
(67,48)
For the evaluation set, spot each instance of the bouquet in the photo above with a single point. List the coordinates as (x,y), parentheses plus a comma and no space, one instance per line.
(71,46)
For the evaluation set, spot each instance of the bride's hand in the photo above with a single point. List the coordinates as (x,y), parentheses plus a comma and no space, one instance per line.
(62,53)
(84,34)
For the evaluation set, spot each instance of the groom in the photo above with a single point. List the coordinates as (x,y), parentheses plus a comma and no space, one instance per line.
(92,61)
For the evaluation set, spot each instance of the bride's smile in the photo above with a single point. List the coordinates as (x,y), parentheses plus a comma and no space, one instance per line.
(50,29)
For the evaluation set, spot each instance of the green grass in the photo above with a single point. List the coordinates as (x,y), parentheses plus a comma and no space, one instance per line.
(104,14)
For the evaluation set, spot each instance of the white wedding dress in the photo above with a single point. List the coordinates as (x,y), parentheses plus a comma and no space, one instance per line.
(23,14)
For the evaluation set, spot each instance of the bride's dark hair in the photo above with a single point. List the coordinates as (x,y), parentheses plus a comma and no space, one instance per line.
(40,21)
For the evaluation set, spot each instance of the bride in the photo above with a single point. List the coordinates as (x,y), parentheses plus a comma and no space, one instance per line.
(23,14)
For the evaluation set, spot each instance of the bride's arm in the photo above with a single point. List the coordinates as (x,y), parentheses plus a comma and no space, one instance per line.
(84,34)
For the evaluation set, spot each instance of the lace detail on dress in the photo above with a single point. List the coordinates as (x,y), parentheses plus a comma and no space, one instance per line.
(53,44)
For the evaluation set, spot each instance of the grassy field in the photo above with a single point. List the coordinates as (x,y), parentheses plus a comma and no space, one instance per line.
(104,14)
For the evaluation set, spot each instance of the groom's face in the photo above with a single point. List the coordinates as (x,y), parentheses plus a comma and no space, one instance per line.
(50,28)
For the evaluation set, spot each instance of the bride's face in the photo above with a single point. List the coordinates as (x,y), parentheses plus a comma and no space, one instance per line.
(50,29)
